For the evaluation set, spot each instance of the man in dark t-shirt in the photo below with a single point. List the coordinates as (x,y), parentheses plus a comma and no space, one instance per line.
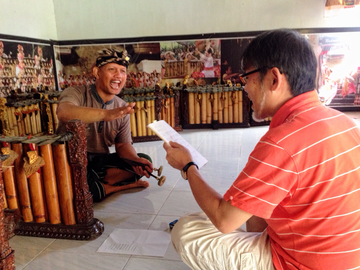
(108,121)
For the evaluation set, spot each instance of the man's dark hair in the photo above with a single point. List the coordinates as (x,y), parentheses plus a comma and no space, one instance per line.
(287,50)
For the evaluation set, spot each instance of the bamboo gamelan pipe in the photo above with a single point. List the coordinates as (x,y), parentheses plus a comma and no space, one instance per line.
(64,184)
(216,106)
(172,111)
(208,107)
(133,124)
(22,184)
(10,188)
(226,106)
(241,106)
(138,118)
(50,185)
(197,108)
(15,122)
(221,107)
(191,101)
(204,102)
(236,105)
(143,117)
(36,190)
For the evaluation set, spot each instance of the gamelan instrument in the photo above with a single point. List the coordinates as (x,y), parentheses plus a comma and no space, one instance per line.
(45,183)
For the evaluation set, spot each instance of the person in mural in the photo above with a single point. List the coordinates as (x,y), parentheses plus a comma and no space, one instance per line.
(2,54)
(208,62)
(230,76)
(108,120)
(299,193)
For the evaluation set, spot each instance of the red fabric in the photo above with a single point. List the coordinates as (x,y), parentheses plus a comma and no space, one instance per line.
(303,177)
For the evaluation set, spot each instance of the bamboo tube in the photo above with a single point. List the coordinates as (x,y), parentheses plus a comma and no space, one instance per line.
(197,108)
(51,192)
(226,107)
(163,109)
(241,106)
(172,112)
(133,124)
(38,118)
(221,106)
(36,192)
(203,108)
(15,122)
(22,184)
(191,108)
(231,107)
(168,111)
(138,119)
(216,107)
(208,109)
(10,188)
(32,119)
(236,106)
(37,197)
(25,110)
(143,118)
(64,184)
(20,121)
(54,115)
(152,110)
(11,122)
(149,116)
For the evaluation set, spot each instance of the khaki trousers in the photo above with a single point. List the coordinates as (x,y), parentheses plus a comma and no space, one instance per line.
(201,246)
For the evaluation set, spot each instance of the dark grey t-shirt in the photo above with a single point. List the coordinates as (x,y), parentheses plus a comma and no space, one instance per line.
(116,131)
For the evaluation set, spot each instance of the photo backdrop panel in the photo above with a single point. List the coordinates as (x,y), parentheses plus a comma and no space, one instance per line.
(25,66)
(74,63)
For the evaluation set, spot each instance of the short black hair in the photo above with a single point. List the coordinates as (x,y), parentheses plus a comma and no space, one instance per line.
(287,50)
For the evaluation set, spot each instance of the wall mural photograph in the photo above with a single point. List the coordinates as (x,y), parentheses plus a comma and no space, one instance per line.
(25,66)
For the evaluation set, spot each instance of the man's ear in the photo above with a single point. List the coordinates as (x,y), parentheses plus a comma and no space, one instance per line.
(96,72)
(276,78)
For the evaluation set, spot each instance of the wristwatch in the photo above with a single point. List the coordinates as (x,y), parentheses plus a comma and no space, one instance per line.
(187,166)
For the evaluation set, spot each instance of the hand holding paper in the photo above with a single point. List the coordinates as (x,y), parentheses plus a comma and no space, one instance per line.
(167,134)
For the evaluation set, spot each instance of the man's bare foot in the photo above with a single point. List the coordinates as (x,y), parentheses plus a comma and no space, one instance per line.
(138,184)
(141,183)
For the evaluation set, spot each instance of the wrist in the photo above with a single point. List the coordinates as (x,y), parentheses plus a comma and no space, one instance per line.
(186,168)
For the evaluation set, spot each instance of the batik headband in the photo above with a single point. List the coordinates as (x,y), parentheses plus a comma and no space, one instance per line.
(107,56)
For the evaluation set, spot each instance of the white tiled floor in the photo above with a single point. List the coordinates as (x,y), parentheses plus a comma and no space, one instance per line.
(153,208)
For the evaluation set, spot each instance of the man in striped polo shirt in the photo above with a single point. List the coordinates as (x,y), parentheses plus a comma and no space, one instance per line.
(301,186)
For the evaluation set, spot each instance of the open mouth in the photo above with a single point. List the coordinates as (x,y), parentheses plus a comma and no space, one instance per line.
(115,84)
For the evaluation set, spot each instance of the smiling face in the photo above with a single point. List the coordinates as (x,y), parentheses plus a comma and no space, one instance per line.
(110,79)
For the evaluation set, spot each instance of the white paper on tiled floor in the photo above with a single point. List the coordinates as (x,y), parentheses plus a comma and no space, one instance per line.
(136,242)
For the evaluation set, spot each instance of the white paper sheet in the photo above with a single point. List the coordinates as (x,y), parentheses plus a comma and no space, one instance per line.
(136,242)
(167,133)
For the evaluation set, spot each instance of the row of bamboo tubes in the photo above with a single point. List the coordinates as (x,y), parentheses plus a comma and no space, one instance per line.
(47,194)
(144,115)
(225,107)
(181,68)
(28,119)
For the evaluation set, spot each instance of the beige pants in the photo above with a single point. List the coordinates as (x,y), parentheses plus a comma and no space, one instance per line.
(201,246)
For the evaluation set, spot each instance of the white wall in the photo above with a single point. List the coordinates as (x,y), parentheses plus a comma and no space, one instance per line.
(28,18)
(98,19)
(138,18)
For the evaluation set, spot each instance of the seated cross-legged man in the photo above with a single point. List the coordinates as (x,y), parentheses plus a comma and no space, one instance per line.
(107,118)
(301,185)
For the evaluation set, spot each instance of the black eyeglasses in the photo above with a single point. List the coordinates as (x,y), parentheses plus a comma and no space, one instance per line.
(243,77)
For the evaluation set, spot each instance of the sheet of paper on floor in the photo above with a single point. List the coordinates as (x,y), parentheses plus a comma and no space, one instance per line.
(136,242)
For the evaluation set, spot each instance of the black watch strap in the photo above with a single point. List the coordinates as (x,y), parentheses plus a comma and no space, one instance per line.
(187,166)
